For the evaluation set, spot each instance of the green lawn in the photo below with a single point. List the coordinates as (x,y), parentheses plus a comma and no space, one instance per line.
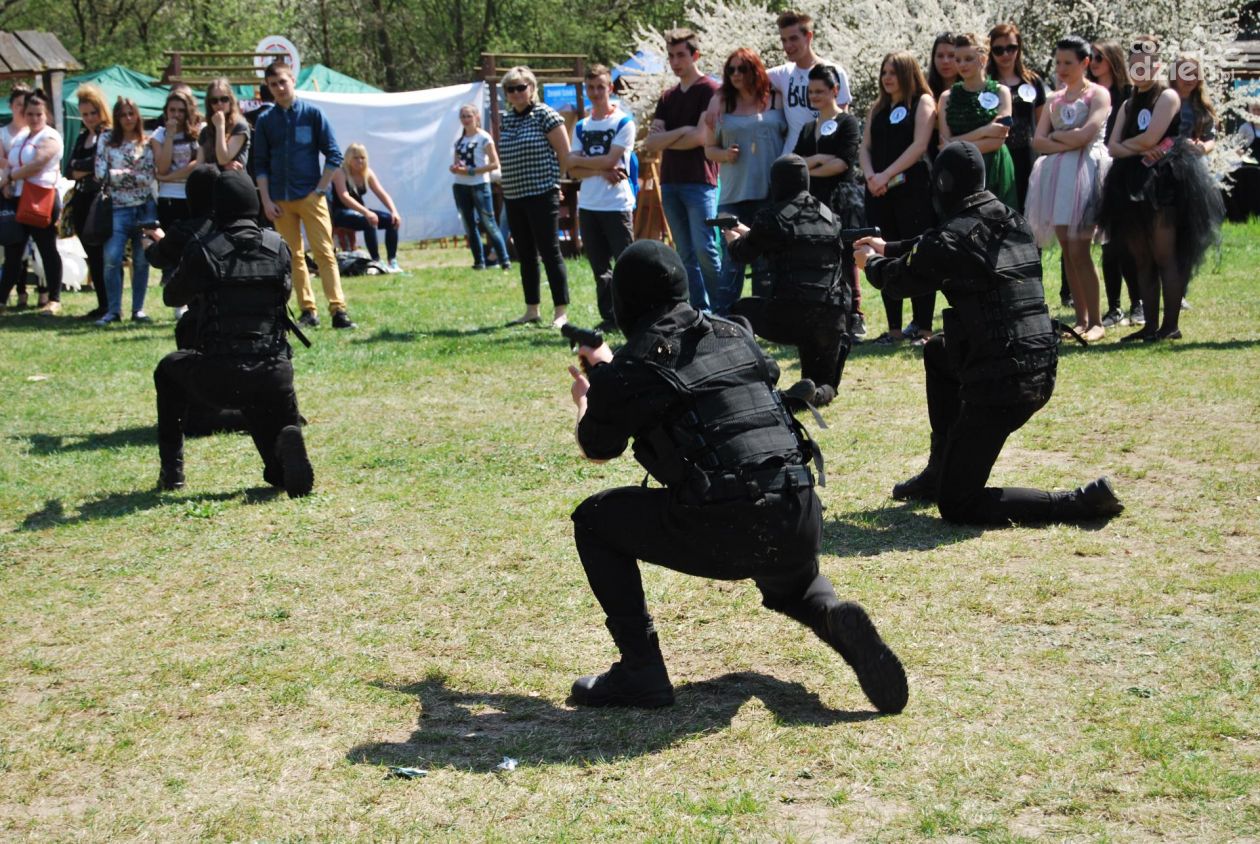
(226,664)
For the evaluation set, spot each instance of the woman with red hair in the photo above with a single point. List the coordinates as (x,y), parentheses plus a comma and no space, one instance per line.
(743,133)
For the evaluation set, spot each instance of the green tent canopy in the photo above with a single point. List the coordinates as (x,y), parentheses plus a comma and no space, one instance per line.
(150,95)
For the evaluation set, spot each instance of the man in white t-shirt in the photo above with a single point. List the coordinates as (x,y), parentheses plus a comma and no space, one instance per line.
(600,157)
(791,80)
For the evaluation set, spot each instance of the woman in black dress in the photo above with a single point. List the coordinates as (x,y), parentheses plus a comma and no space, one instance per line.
(1028,98)
(1159,201)
(898,189)
(1108,67)
(96,120)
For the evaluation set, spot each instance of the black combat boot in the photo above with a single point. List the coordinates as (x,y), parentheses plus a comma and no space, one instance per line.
(803,390)
(171,475)
(923,486)
(639,680)
(847,628)
(825,395)
(1096,500)
(298,476)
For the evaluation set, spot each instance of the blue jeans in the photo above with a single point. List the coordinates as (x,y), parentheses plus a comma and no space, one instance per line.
(125,220)
(731,283)
(687,206)
(476,207)
(344,218)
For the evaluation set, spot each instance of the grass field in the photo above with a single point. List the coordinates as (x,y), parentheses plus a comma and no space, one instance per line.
(225,664)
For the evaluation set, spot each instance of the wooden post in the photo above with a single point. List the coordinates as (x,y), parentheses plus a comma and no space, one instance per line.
(580,87)
(52,80)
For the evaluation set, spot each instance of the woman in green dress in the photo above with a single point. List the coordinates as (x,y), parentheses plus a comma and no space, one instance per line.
(978,109)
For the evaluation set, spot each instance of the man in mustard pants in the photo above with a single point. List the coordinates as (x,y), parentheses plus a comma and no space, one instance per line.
(288,141)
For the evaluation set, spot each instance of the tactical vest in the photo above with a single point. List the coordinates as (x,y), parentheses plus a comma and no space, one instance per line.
(244,314)
(809,269)
(730,437)
(998,326)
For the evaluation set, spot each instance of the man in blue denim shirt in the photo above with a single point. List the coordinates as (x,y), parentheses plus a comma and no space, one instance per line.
(288,140)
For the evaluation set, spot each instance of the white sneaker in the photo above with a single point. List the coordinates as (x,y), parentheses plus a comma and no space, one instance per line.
(393,266)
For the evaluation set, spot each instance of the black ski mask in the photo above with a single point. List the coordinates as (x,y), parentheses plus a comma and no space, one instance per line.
(235,198)
(648,275)
(200,190)
(957,173)
(789,176)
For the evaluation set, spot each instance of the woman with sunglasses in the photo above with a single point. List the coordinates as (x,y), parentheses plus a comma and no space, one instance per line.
(1109,68)
(743,134)
(532,143)
(1028,97)
(95,117)
(1159,202)
(941,76)
(898,188)
(978,110)
(1066,189)
(224,140)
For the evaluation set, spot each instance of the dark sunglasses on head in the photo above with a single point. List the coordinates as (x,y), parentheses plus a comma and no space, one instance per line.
(736,68)
(1097,57)
(514,89)
(1142,47)
(217,100)
(1006,51)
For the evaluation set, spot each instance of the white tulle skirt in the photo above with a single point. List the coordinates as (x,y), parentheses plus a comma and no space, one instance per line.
(1066,190)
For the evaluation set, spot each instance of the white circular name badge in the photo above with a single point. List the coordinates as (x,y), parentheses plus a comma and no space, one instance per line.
(1068,112)
(828,128)
(1144,119)
(897,115)
(1027,92)
(989,100)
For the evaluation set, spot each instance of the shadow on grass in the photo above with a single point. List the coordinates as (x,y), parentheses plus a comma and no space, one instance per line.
(501,334)
(140,435)
(118,504)
(473,730)
(1074,348)
(32,321)
(895,527)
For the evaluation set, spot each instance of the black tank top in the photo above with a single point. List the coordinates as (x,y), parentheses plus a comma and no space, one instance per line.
(1145,101)
(889,140)
(355,190)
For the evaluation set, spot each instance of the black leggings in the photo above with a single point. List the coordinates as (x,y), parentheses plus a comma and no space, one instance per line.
(95,254)
(902,213)
(46,242)
(535,225)
(1117,266)
(1152,249)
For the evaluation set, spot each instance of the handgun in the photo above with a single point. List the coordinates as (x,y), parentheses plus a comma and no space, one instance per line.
(578,337)
(852,236)
(723,221)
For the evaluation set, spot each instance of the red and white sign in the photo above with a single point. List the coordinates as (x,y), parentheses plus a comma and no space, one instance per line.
(276,47)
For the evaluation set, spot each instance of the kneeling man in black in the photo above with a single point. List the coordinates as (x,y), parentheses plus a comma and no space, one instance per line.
(241,357)
(810,299)
(697,397)
(995,364)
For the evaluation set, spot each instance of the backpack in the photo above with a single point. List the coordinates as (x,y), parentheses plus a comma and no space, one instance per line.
(632,168)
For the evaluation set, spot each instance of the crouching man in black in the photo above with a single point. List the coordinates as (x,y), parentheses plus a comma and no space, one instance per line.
(994,366)
(810,299)
(241,356)
(165,249)
(697,397)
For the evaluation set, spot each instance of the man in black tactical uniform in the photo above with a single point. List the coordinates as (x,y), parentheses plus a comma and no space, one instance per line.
(810,299)
(697,397)
(241,356)
(994,366)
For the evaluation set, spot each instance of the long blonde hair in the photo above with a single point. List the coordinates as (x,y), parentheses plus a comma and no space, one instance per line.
(351,151)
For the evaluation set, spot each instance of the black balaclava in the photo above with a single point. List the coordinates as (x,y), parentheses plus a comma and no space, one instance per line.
(235,198)
(648,275)
(789,176)
(957,173)
(200,190)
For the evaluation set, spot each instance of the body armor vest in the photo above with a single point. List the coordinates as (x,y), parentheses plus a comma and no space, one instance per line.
(998,325)
(809,269)
(244,310)
(731,437)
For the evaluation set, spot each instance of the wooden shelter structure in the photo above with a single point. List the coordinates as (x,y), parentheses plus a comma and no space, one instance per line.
(200,68)
(28,54)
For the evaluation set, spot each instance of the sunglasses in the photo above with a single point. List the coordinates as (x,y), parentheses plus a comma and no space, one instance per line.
(732,69)
(514,89)
(1097,57)
(217,100)
(1006,51)
(1142,47)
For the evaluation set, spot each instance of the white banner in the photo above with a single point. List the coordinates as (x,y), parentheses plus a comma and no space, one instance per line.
(410,138)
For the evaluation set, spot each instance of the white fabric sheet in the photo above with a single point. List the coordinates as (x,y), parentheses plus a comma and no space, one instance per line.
(410,140)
